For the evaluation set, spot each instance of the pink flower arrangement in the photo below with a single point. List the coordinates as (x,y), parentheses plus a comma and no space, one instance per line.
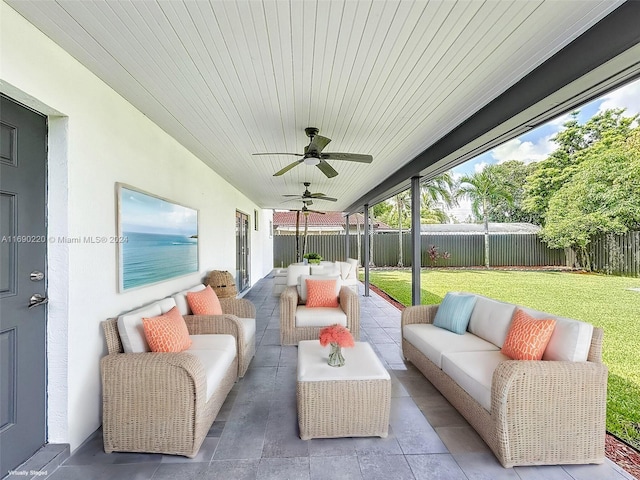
(336,334)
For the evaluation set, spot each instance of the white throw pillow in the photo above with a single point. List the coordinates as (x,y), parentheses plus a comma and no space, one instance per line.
(131,329)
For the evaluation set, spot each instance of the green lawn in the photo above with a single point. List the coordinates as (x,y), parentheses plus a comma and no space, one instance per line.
(601,300)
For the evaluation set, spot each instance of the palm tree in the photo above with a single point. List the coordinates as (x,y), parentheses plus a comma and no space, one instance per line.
(436,193)
(483,190)
(402,203)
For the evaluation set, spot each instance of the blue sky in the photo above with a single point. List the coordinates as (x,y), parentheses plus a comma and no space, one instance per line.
(146,214)
(537,145)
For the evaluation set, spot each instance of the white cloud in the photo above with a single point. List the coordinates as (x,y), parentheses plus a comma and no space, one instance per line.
(625,97)
(478,167)
(462,211)
(526,152)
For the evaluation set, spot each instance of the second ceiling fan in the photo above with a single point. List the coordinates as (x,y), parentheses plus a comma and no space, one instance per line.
(313,155)
(307,197)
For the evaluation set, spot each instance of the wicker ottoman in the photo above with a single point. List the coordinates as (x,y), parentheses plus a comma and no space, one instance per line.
(349,401)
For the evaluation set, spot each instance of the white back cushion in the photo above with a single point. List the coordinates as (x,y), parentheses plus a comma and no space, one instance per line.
(181,298)
(325,269)
(294,272)
(166,304)
(491,319)
(570,340)
(345,269)
(131,330)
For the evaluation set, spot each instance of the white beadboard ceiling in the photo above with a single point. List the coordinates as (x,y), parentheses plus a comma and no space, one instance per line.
(386,78)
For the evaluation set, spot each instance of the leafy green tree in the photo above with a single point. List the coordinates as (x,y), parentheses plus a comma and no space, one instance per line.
(484,190)
(512,175)
(603,196)
(551,174)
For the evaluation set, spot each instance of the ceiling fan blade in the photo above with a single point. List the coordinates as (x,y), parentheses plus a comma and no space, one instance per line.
(279,153)
(287,168)
(322,196)
(318,143)
(327,169)
(349,157)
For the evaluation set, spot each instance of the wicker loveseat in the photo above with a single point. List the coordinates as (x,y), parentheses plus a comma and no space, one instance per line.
(529,412)
(166,402)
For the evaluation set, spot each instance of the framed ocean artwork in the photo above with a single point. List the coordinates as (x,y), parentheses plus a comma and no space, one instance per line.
(158,238)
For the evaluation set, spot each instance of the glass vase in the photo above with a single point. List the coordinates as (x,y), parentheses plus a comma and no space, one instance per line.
(335,356)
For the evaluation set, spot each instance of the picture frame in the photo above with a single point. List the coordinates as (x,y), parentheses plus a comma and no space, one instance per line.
(157,238)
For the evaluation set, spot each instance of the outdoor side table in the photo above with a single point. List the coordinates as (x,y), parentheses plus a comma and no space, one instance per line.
(349,401)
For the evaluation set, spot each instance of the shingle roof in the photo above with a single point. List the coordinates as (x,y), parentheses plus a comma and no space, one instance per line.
(329,219)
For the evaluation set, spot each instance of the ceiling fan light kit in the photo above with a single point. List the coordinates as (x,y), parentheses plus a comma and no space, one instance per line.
(314,156)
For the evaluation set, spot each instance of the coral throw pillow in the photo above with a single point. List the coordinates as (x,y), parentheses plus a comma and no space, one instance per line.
(167,333)
(204,302)
(321,293)
(527,337)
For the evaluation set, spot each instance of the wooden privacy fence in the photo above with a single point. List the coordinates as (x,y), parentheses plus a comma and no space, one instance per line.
(616,254)
(465,250)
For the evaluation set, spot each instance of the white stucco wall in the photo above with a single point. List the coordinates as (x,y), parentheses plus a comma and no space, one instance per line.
(96,139)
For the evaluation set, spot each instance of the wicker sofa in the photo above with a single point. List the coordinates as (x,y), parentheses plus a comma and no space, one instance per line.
(545,412)
(166,402)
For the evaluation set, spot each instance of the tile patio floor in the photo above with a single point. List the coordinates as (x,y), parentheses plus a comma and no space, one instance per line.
(255,435)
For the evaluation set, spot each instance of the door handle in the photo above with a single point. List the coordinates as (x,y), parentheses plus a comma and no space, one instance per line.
(36,300)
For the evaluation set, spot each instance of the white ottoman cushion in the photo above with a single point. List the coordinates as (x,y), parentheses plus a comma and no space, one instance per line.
(361,363)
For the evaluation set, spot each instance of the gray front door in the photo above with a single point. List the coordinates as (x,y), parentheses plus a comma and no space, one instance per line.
(23,247)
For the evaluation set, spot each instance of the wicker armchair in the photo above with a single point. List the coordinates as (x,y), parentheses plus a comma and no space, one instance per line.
(290,334)
(157,402)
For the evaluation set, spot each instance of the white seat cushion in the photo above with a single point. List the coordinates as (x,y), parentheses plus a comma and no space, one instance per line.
(320,316)
(181,298)
(433,341)
(131,330)
(473,371)
(216,353)
(491,319)
(570,340)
